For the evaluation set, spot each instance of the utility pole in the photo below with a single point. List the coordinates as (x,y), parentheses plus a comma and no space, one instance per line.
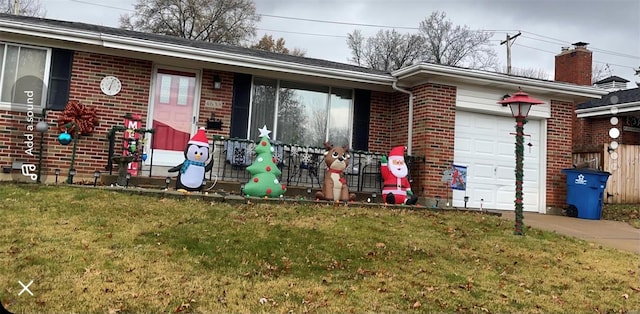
(508,41)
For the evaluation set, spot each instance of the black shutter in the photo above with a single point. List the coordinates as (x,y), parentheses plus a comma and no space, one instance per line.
(361,115)
(240,105)
(59,79)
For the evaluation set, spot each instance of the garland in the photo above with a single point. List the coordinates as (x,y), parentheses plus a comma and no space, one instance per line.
(77,114)
(519,225)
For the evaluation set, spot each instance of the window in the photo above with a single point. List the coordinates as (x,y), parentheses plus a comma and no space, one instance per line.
(303,114)
(23,72)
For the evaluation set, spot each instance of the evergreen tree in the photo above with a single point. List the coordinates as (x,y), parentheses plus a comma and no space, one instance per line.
(264,172)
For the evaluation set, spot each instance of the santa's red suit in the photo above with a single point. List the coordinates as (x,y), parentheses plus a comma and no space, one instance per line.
(394,174)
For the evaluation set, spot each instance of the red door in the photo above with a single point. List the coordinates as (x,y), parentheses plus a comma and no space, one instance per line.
(173,109)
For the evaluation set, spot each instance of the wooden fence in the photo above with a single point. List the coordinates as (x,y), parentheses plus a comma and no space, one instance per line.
(623,186)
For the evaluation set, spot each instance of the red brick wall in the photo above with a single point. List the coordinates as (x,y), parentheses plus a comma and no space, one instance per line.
(574,66)
(559,140)
(87,72)
(380,129)
(591,133)
(92,150)
(433,136)
(224,95)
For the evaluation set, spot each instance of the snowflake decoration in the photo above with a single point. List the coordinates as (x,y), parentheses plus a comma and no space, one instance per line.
(306,158)
(368,159)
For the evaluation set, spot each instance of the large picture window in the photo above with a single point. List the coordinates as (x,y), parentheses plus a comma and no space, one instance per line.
(302,114)
(23,69)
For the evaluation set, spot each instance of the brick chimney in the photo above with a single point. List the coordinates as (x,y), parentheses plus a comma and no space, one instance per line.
(574,65)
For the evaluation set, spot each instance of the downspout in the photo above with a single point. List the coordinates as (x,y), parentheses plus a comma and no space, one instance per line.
(409,128)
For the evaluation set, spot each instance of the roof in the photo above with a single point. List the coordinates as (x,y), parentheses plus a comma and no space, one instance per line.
(102,37)
(623,96)
(188,42)
(610,79)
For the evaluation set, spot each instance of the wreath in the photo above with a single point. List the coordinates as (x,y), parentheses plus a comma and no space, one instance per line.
(83,117)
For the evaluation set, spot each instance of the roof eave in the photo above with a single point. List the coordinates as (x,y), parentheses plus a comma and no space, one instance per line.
(483,77)
(606,110)
(192,53)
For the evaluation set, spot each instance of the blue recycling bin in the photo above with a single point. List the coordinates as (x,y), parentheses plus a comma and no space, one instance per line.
(585,191)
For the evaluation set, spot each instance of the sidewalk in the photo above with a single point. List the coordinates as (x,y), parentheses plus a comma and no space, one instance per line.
(615,234)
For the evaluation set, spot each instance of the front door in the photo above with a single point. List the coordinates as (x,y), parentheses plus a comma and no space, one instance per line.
(174,113)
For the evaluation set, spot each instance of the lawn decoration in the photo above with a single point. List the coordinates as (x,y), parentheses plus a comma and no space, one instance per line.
(264,181)
(396,188)
(192,170)
(75,120)
(334,187)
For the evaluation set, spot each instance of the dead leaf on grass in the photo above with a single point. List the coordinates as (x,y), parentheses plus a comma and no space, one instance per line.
(417,304)
(625,296)
(380,245)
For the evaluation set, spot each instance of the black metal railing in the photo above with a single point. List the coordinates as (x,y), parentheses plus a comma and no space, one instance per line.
(300,165)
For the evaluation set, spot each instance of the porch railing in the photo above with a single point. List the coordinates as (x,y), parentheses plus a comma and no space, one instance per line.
(300,166)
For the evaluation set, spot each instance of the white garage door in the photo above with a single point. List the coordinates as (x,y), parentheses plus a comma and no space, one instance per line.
(486,145)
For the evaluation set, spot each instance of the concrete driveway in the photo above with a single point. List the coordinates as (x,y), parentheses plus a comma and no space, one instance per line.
(615,234)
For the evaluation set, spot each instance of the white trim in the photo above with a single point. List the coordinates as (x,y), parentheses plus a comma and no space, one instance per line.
(542,174)
(484,77)
(606,110)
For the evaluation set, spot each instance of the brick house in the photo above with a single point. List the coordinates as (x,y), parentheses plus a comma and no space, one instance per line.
(445,114)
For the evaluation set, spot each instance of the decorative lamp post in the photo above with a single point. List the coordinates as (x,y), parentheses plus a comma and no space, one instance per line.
(520,104)
(66,138)
(96,176)
(42,127)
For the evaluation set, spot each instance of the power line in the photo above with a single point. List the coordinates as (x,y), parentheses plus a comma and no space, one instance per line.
(103,5)
(336,22)
(556,40)
(595,61)
(301,33)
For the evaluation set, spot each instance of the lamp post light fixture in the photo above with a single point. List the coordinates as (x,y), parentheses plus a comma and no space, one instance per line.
(308,193)
(520,104)
(128,178)
(96,176)
(437,201)
(242,189)
(466,199)
(72,173)
(374,195)
(167,181)
(57,172)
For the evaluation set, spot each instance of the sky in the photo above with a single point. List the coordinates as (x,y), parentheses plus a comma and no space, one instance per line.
(611,27)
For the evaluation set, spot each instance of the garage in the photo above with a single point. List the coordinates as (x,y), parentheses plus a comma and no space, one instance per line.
(485,143)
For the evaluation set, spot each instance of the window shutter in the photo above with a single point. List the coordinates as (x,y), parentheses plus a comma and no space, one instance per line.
(59,79)
(361,114)
(240,105)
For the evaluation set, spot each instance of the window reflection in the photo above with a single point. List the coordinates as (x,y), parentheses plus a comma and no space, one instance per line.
(307,115)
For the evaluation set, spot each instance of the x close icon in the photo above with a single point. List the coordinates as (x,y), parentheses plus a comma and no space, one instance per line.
(25,288)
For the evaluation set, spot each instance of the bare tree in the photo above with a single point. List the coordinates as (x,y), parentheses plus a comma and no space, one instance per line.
(216,21)
(536,73)
(438,41)
(388,50)
(456,45)
(600,72)
(25,7)
(267,43)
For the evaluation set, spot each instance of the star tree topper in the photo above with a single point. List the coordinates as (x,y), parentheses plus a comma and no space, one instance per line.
(264,132)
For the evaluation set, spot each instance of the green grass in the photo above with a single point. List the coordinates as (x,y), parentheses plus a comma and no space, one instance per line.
(91,250)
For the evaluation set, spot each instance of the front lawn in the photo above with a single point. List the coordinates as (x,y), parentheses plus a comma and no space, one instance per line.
(91,250)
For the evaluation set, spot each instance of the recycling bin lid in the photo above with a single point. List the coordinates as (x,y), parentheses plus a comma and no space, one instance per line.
(586,170)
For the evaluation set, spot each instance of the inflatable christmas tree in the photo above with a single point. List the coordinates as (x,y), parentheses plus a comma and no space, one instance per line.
(264,172)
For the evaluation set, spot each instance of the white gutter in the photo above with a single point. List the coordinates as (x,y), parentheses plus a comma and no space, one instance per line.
(484,76)
(410,123)
(606,110)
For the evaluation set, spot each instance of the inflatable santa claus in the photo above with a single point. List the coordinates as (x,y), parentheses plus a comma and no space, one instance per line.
(396,188)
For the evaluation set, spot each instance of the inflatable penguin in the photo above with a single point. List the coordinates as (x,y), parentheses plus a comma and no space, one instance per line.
(192,170)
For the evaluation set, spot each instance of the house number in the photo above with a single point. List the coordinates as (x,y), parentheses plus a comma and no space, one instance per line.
(633,121)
